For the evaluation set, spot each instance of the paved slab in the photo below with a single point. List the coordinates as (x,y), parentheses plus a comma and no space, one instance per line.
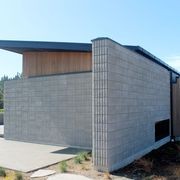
(1,130)
(67,177)
(27,157)
(42,173)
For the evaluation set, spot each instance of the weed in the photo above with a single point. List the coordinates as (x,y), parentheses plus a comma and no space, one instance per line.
(63,166)
(2,172)
(18,176)
(83,156)
(78,160)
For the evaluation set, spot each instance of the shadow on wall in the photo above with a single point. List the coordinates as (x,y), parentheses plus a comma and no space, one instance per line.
(1,119)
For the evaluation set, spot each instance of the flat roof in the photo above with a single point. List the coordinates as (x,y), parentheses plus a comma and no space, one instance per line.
(42,46)
(147,54)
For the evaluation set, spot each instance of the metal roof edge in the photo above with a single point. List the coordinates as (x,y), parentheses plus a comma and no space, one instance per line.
(21,46)
(141,51)
(150,56)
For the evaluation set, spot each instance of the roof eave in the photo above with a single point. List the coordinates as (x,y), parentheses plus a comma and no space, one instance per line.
(26,46)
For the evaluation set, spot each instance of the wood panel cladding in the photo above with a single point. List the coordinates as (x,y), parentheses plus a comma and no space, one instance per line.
(49,63)
(176,108)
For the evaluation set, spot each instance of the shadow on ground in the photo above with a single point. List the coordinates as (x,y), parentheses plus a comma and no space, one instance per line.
(69,150)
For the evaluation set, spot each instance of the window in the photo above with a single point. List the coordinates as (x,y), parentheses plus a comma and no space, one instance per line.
(161,129)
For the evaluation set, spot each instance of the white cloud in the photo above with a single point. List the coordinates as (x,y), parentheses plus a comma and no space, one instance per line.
(174,61)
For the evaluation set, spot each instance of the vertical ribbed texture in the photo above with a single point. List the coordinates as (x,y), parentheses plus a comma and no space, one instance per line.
(131,94)
(99,103)
(176,104)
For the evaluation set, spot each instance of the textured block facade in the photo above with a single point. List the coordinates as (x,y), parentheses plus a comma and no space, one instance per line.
(130,94)
(50,110)
(176,105)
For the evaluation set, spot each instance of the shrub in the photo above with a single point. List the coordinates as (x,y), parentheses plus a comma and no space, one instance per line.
(84,156)
(2,172)
(18,176)
(77,160)
(63,166)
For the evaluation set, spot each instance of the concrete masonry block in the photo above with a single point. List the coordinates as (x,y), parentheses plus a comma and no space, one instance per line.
(49,102)
(134,91)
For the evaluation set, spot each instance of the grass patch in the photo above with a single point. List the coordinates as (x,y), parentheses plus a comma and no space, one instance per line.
(63,166)
(2,172)
(1,110)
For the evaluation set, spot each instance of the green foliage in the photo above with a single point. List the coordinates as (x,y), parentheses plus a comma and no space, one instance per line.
(17,76)
(2,172)
(78,160)
(2,80)
(1,110)
(63,166)
(82,156)
(18,176)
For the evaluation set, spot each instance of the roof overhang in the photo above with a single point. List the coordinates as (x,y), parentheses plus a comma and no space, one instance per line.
(42,46)
(39,46)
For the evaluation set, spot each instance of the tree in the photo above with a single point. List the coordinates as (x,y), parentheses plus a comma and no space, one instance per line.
(17,76)
(2,80)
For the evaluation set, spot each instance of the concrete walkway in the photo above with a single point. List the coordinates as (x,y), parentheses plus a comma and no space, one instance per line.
(68,177)
(1,130)
(27,157)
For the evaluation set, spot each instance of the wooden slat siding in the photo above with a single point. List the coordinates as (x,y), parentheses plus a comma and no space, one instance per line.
(47,63)
(176,108)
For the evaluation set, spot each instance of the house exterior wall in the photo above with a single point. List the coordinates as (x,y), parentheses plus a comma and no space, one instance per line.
(130,94)
(50,110)
(48,63)
(176,112)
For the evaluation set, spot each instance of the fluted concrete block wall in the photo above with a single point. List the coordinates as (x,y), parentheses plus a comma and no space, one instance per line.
(130,94)
(50,110)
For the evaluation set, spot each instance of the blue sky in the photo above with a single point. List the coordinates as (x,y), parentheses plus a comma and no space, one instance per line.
(154,25)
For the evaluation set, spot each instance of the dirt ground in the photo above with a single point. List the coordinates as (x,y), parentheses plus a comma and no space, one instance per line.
(160,164)
(163,163)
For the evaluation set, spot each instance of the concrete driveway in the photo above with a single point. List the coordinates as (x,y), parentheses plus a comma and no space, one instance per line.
(27,157)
